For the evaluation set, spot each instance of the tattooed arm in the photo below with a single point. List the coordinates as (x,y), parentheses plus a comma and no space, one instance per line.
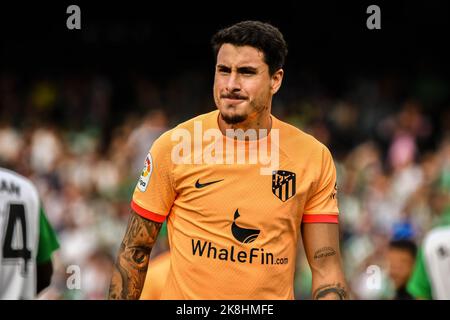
(321,242)
(131,265)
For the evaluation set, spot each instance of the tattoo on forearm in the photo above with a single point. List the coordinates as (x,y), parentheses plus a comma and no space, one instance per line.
(330,291)
(131,265)
(324,252)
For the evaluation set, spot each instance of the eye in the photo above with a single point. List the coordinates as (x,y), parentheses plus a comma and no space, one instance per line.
(247,71)
(223,70)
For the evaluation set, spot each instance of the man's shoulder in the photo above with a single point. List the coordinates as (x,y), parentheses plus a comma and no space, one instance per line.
(295,139)
(18,183)
(437,234)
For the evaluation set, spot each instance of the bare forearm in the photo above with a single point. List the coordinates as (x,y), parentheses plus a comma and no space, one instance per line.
(328,279)
(321,241)
(131,265)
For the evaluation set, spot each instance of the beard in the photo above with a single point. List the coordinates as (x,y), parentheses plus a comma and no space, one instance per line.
(234,119)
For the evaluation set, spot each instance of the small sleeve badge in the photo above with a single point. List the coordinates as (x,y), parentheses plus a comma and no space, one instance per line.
(146,173)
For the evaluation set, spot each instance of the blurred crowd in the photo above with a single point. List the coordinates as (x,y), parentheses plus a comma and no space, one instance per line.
(84,144)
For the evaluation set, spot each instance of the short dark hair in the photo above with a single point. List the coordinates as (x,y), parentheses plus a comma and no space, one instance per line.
(404,244)
(257,34)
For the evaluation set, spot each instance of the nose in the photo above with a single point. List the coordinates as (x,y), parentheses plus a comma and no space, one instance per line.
(233,83)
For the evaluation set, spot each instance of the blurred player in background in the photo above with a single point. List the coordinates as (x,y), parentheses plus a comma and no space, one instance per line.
(431,276)
(401,256)
(233,231)
(27,240)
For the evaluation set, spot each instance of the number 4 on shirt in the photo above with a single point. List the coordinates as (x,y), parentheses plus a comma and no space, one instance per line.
(16,215)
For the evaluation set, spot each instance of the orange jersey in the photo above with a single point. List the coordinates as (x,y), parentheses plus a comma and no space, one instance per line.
(233,231)
(155,279)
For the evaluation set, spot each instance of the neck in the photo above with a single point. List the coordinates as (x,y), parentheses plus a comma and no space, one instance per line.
(258,121)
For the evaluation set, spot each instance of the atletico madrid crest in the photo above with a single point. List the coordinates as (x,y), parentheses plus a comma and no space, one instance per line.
(283,184)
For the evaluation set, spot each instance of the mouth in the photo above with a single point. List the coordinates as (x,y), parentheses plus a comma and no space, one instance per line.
(233,100)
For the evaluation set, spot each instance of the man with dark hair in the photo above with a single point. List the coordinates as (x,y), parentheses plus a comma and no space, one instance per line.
(401,257)
(262,36)
(238,187)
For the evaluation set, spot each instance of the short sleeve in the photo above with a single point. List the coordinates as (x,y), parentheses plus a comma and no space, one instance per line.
(322,206)
(419,285)
(48,242)
(154,194)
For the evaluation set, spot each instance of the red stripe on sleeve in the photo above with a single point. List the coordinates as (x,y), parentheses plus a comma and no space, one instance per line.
(320,218)
(147,214)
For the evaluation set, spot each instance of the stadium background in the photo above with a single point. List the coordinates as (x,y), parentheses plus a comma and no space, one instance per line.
(79,110)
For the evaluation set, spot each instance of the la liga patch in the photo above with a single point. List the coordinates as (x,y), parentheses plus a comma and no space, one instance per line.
(146,173)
